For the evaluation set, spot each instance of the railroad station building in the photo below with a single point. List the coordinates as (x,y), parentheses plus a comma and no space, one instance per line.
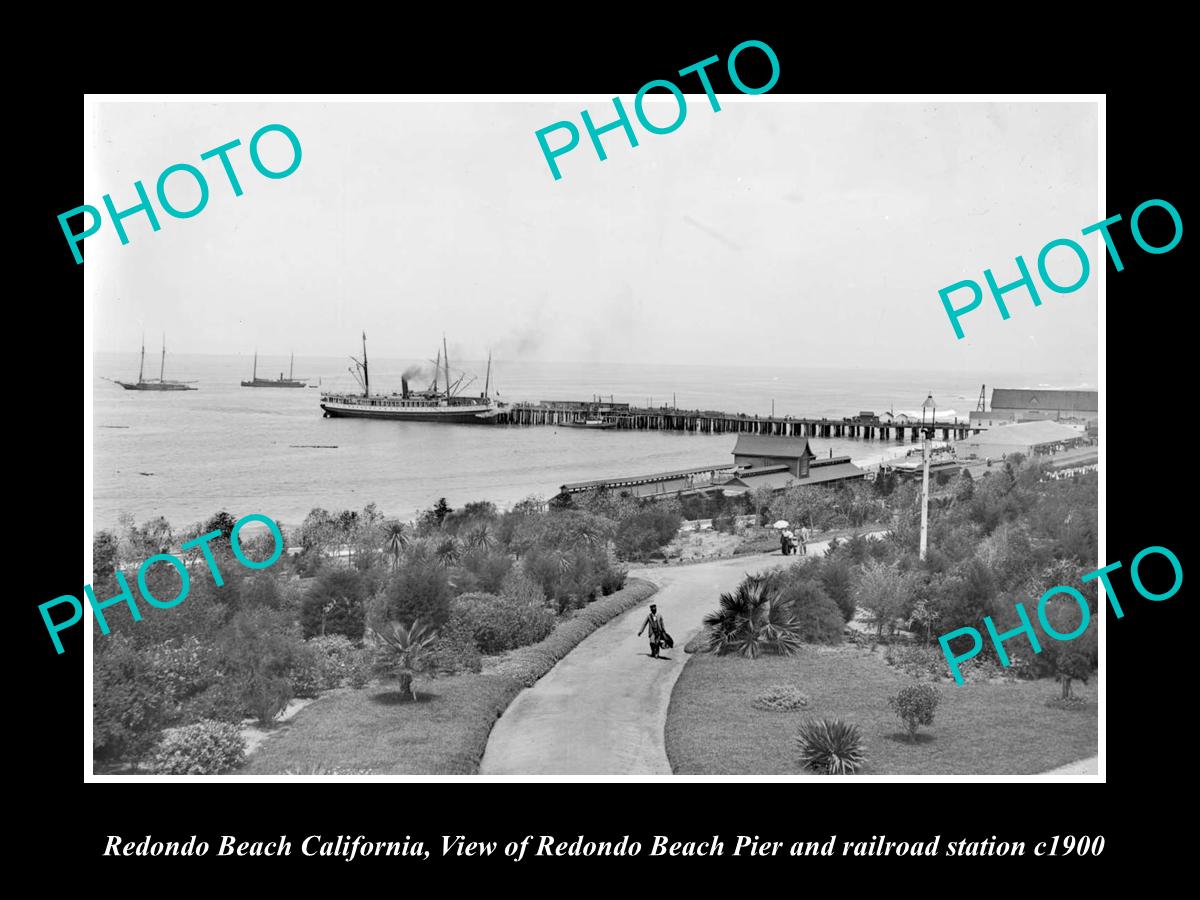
(1020,405)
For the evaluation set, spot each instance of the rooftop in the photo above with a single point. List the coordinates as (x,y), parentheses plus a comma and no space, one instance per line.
(627,480)
(1019,398)
(1024,434)
(766,445)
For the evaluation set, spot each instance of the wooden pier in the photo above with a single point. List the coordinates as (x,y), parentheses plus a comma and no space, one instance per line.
(713,422)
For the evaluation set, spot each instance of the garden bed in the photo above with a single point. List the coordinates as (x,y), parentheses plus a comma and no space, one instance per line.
(985,728)
(377,730)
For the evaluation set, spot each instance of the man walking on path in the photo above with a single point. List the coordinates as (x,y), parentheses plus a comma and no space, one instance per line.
(657,629)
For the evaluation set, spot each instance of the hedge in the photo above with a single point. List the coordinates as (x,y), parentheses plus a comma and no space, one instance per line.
(527,664)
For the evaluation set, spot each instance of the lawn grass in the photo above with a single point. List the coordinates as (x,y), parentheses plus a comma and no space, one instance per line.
(981,728)
(377,730)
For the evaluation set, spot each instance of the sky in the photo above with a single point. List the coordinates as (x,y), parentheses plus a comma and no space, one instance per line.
(771,232)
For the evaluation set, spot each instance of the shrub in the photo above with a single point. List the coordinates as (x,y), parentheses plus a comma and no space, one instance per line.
(482,570)
(915,705)
(646,531)
(817,618)
(781,698)
(918,661)
(259,648)
(206,748)
(830,747)
(454,650)
(838,581)
(612,580)
(752,621)
(337,658)
(307,672)
(128,708)
(221,701)
(528,664)
(497,624)
(261,589)
(420,589)
(180,669)
(335,603)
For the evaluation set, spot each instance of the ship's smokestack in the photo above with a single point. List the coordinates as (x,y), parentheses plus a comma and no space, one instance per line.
(404,386)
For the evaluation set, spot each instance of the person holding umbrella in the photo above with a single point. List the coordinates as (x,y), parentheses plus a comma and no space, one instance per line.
(781,526)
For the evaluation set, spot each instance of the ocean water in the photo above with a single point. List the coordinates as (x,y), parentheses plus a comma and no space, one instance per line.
(186,455)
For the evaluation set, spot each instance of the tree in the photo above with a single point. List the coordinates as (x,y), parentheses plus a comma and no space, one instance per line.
(1071,664)
(432,518)
(915,705)
(259,648)
(401,651)
(750,621)
(335,604)
(395,540)
(420,589)
(885,593)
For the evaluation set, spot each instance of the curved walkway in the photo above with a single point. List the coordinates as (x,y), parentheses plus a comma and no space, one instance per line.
(602,710)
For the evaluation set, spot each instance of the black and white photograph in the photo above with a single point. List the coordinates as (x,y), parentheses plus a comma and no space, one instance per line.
(517,438)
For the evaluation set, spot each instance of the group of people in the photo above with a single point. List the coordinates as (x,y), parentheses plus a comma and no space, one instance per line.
(789,544)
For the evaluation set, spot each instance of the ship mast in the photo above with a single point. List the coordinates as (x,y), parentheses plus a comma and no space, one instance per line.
(437,367)
(446,356)
(292,366)
(163,365)
(142,364)
(366,374)
(488,378)
(254,377)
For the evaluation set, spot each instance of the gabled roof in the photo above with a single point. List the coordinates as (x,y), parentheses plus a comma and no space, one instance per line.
(765,445)
(1075,401)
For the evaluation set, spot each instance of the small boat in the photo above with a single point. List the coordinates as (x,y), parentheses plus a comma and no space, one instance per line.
(598,424)
(144,384)
(280,382)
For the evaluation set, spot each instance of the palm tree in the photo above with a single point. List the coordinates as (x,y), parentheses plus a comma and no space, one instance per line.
(447,551)
(751,621)
(395,539)
(480,537)
(401,650)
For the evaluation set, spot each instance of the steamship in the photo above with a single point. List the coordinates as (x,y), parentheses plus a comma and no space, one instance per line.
(437,403)
(290,382)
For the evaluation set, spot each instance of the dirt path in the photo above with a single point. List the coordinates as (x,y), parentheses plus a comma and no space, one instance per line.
(602,709)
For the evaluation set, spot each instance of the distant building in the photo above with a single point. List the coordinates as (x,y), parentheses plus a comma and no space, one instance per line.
(1022,405)
(1030,438)
(778,463)
(759,450)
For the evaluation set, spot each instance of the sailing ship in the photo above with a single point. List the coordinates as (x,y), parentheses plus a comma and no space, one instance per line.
(437,403)
(159,384)
(280,382)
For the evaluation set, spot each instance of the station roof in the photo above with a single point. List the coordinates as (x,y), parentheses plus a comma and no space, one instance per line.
(628,480)
(1076,401)
(767,445)
(1026,434)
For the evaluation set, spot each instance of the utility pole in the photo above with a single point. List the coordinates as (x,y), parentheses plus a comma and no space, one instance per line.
(926,435)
